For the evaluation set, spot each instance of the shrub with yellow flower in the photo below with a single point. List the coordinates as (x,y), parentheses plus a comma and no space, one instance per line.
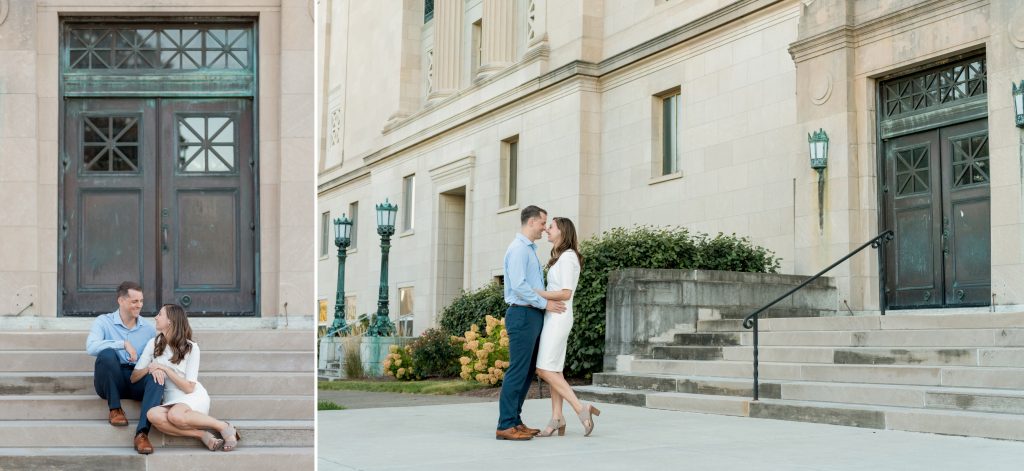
(398,363)
(486,355)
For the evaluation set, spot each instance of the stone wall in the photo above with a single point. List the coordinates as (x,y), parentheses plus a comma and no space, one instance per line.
(647,307)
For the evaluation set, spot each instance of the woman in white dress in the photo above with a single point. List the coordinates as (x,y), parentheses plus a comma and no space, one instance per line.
(173,360)
(563,274)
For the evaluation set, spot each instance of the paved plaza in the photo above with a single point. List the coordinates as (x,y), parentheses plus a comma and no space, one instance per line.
(460,436)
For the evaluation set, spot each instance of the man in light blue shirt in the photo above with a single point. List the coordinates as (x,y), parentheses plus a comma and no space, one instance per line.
(523,322)
(116,340)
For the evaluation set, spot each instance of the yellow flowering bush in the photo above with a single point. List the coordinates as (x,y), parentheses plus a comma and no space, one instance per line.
(486,354)
(398,363)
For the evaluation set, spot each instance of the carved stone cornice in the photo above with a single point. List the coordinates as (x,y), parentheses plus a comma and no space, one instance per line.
(896,22)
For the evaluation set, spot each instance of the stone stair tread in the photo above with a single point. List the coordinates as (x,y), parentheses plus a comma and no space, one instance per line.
(845,365)
(749,381)
(128,451)
(90,397)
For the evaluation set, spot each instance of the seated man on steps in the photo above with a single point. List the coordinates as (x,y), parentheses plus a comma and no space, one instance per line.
(115,340)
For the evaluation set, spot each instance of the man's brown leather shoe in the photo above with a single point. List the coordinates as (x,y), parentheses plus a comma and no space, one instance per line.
(142,444)
(117,417)
(512,433)
(525,429)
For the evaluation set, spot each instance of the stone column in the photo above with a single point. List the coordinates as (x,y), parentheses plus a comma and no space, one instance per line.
(499,36)
(447,48)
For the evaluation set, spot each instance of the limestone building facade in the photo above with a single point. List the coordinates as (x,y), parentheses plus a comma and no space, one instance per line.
(694,113)
(166,142)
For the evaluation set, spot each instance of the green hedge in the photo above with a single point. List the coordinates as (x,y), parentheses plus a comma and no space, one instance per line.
(638,247)
(472,307)
(645,247)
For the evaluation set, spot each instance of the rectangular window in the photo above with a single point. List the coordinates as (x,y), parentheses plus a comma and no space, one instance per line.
(509,170)
(667,132)
(325,232)
(428,10)
(405,313)
(477,48)
(353,211)
(408,200)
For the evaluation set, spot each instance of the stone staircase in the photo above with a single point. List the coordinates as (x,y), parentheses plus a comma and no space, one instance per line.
(955,374)
(260,378)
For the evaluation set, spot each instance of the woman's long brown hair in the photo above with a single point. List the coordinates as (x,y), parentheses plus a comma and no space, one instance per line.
(180,333)
(569,241)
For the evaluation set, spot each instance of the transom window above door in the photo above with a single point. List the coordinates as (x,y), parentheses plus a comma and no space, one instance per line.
(173,48)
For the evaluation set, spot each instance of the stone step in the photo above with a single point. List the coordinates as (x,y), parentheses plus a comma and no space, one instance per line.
(230,383)
(741,312)
(98,433)
(954,376)
(720,325)
(710,385)
(686,353)
(712,339)
(208,340)
(722,405)
(949,422)
(894,320)
(91,407)
(212,361)
(962,356)
(934,397)
(945,338)
(125,458)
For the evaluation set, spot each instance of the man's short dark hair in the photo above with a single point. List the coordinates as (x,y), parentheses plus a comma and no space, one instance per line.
(530,211)
(122,290)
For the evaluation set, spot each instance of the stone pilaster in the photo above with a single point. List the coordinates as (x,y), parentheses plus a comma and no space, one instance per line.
(447,48)
(499,36)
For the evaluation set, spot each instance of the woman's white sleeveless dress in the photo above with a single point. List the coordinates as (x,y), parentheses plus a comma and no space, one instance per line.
(564,274)
(198,400)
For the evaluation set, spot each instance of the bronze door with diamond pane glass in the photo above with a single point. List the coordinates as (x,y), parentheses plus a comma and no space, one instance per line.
(159,163)
(936,187)
(162,191)
(109,202)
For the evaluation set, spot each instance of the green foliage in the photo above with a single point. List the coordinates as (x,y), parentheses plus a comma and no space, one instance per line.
(472,308)
(328,405)
(645,247)
(434,353)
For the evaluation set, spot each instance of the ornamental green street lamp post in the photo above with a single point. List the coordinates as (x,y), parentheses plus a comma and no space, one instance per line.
(1018,104)
(382,325)
(342,239)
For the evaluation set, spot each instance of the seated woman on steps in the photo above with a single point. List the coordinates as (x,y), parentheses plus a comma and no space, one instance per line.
(173,360)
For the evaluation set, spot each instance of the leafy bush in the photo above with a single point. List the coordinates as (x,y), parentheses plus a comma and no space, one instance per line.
(398,363)
(488,354)
(472,307)
(645,247)
(434,353)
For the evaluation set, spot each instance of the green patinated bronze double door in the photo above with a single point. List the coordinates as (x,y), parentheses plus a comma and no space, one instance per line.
(158,166)
(936,187)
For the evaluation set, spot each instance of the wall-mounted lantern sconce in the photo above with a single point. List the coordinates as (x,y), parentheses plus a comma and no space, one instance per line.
(817,143)
(1018,103)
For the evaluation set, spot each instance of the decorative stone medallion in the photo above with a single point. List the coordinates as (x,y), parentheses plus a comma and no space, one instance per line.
(821,88)
(1016,29)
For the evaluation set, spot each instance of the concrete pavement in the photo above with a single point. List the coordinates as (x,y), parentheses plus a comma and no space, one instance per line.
(460,436)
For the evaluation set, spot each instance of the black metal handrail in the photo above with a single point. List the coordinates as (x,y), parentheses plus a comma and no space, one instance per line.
(878,242)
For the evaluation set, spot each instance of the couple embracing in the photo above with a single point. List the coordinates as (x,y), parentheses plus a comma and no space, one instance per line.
(163,377)
(538,322)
